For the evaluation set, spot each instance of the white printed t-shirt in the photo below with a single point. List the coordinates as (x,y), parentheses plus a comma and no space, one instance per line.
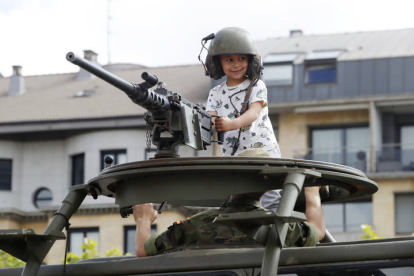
(225,100)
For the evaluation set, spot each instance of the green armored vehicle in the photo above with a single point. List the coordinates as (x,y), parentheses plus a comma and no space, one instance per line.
(191,182)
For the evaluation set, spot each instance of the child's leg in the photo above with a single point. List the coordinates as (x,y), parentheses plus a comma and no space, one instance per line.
(270,200)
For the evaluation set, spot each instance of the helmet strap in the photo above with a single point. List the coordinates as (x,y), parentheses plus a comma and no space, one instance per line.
(244,108)
(203,46)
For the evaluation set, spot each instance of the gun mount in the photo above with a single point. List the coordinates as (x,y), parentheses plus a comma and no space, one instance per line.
(191,181)
(188,124)
(172,180)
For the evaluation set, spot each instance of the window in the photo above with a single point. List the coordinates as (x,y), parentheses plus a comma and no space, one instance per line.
(278,75)
(347,216)
(78,169)
(320,67)
(76,236)
(407,147)
(42,197)
(325,73)
(346,146)
(279,69)
(5,174)
(119,157)
(404,219)
(129,237)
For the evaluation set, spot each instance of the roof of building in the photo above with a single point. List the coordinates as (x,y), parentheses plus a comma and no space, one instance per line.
(53,97)
(355,46)
(61,97)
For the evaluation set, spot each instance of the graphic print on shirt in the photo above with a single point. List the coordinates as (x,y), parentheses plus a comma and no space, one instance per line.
(232,115)
(231,141)
(217,106)
(246,128)
(227,101)
(260,93)
(258,145)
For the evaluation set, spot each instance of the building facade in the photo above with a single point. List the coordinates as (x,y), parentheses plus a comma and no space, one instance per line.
(349,99)
(55,131)
(342,98)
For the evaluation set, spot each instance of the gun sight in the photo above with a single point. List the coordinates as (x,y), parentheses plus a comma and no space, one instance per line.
(151,79)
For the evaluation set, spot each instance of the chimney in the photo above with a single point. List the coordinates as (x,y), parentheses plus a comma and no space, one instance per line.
(17,86)
(294,33)
(92,57)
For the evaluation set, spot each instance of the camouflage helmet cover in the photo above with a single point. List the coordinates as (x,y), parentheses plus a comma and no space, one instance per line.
(232,41)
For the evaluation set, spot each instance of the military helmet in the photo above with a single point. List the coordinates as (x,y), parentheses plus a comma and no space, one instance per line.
(232,41)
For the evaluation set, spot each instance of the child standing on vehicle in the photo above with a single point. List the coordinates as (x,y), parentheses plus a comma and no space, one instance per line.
(240,101)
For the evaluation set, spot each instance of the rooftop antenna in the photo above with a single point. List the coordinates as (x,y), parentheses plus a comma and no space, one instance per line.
(108,31)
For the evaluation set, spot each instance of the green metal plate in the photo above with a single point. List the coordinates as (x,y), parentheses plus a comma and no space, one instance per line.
(208,181)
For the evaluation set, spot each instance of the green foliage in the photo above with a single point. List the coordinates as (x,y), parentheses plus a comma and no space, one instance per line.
(114,252)
(369,233)
(90,251)
(7,260)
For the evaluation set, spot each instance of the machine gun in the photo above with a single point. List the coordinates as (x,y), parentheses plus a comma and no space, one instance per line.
(174,181)
(188,123)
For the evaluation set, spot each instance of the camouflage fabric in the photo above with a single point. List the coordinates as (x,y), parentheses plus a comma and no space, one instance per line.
(199,230)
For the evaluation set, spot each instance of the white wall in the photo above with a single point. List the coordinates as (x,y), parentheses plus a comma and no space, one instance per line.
(44,164)
(91,145)
(48,164)
(13,151)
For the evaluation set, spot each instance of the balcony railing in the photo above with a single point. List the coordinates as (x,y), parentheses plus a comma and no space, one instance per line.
(395,157)
(351,157)
(388,157)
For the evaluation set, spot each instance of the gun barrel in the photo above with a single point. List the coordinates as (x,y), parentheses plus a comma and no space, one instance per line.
(140,94)
(101,73)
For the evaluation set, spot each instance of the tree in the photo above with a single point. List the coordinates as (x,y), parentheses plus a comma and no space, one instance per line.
(369,233)
(7,261)
(90,251)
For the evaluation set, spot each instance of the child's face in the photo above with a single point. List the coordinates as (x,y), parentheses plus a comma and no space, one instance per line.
(235,67)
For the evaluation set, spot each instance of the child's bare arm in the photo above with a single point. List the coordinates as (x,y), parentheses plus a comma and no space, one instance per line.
(224,124)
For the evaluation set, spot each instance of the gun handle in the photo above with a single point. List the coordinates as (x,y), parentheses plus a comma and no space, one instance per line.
(220,138)
(220,135)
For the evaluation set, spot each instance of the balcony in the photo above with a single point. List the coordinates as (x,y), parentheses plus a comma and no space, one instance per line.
(351,157)
(389,157)
(395,157)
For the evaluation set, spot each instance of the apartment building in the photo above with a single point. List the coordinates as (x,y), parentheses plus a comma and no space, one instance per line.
(349,99)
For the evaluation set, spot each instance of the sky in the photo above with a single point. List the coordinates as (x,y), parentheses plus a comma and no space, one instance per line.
(37,34)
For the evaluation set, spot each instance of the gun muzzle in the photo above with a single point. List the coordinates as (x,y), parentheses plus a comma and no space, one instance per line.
(101,73)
